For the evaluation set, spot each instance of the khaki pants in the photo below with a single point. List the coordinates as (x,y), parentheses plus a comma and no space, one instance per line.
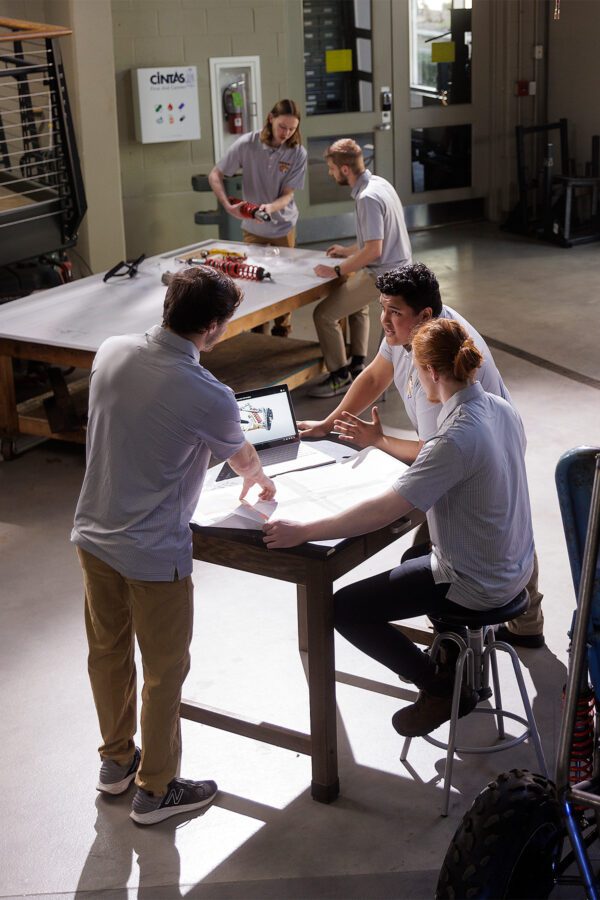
(350,300)
(160,615)
(285,240)
(529,622)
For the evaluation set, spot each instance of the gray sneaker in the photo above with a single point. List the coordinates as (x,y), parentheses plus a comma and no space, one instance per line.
(181,796)
(115,779)
(331,386)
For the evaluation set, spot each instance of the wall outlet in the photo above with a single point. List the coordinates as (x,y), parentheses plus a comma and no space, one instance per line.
(532,88)
(538,51)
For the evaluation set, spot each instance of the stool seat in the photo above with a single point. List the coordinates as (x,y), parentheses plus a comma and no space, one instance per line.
(477,618)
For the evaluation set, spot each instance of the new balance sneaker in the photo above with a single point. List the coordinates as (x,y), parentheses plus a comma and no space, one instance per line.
(115,779)
(332,386)
(181,796)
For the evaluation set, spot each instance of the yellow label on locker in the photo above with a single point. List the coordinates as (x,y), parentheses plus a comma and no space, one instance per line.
(338,60)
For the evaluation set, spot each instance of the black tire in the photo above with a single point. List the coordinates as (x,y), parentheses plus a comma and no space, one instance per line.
(508,844)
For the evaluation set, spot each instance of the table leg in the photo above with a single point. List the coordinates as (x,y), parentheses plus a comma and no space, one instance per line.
(325,784)
(302,624)
(9,419)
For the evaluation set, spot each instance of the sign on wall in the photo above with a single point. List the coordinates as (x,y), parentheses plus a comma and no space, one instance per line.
(166,104)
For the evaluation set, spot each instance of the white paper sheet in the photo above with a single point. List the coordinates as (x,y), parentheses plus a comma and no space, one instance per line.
(302,496)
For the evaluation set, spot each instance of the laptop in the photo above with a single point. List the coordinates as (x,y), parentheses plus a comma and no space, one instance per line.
(268,422)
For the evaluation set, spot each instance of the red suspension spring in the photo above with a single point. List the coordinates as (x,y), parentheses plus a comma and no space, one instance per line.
(581,764)
(238,269)
(250,210)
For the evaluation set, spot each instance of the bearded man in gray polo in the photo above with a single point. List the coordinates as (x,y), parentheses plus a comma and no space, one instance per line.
(382,243)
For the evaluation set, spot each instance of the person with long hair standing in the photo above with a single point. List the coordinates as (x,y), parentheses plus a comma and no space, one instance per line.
(470,480)
(273,164)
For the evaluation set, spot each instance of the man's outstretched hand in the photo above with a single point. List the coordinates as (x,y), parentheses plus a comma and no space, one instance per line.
(282,533)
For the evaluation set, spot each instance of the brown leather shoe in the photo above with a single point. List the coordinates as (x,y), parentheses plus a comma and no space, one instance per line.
(429,712)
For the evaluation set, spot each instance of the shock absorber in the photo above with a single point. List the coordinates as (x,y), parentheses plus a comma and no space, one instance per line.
(581,763)
(238,269)
(250,210)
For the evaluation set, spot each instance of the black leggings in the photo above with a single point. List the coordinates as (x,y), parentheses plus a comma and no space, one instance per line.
(364,610)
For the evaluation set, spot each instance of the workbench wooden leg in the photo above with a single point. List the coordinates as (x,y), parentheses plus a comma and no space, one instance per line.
(302,624)
(9,418)
(325,784)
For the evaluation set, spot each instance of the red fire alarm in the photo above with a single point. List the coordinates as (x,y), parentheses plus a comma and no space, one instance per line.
(522,88)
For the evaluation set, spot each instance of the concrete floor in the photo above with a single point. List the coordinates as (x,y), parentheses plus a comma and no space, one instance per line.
(265,837)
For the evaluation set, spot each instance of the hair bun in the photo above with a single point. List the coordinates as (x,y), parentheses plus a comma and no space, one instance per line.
(467,359)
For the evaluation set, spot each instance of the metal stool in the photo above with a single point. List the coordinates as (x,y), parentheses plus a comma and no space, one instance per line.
(477,652)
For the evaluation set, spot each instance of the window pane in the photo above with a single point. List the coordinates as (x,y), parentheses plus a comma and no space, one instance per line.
(440,52)
(338,66)
(441,158)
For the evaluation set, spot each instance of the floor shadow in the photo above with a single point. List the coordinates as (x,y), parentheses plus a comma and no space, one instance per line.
(120,846)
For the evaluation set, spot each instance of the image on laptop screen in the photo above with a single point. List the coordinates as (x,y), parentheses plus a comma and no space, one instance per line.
(268,422)
(267,416)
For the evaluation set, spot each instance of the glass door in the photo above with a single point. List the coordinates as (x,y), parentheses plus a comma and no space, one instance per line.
(341,70)
(439,80)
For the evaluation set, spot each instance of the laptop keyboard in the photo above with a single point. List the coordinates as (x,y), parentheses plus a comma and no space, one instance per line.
(268,457)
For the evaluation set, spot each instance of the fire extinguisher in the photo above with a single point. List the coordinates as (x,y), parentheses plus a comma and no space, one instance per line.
(233,103)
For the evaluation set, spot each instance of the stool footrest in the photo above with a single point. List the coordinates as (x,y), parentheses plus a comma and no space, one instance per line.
(476,662)
(503,744)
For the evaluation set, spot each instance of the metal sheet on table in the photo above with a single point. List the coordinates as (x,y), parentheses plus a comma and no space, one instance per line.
(84,313)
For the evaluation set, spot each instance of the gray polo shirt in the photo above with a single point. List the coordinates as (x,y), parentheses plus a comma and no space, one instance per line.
(155,416)
(470,480)
(379,217)
(266,171)
(422,413)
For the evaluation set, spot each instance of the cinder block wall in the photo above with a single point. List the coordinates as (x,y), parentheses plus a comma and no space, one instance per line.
(158,201)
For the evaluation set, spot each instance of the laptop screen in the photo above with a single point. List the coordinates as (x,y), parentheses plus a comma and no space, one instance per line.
(267,416)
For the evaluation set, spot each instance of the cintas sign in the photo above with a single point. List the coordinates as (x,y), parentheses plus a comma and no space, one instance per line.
(166,104)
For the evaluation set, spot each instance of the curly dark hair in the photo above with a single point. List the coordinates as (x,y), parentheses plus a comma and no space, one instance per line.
(197,297)
(415,284)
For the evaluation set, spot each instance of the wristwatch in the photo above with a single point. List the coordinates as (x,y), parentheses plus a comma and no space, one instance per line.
(337,271)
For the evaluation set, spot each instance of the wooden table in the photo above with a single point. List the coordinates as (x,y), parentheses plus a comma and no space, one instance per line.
(64,326)
(313,569)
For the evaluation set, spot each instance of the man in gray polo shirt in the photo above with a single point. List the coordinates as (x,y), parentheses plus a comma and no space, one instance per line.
(410,295)
(382,243)
(471,482)
(155,417)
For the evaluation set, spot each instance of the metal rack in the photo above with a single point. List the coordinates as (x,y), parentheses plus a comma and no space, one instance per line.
(42,198)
